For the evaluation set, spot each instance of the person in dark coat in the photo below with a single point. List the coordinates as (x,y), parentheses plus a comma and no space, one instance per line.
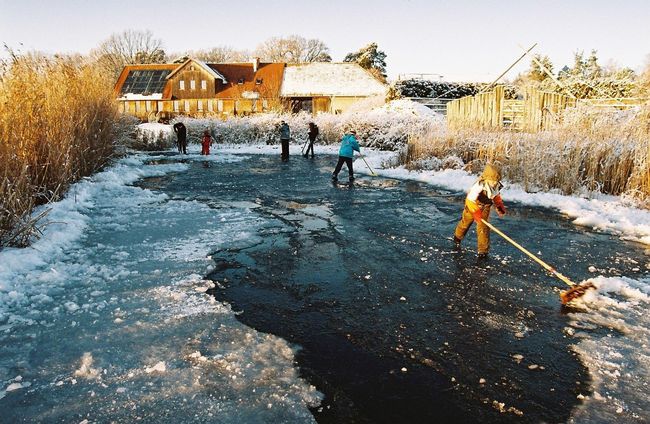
(181,134)
(313,133)
(285,136)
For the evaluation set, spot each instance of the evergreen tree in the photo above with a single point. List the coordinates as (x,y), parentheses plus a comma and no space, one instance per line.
(370,58)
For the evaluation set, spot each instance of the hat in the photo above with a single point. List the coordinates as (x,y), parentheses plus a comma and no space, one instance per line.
(491,172)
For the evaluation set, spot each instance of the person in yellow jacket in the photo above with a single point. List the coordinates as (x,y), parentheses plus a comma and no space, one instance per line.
(483,194)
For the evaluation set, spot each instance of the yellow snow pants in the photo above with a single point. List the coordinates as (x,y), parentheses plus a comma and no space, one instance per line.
(482,231)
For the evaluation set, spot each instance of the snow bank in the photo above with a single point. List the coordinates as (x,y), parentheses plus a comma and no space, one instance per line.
(611,214)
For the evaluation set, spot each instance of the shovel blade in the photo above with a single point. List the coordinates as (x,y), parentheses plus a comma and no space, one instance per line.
(575,292)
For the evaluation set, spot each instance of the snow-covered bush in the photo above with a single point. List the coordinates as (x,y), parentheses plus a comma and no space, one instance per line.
(387,127)
(153,136)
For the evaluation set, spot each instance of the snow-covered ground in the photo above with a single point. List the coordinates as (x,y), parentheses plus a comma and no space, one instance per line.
(65,282)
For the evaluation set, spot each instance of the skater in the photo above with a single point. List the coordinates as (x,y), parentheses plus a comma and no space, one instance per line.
(313,133)
(480,198)
(181,134)
(349,144)
(206,142)
(285,136)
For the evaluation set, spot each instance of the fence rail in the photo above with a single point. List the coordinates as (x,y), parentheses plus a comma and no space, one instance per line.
(538,111)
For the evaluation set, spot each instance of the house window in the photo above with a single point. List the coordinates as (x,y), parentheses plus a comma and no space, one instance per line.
(210,108)
(160,106)
(265,104)
(186,105)
(204,85)
(199,105)
(240,81)
(137,107)
(148,105)
(181,85)
(258,81)
(254,106)
(176,105)
(192,85)
(220,105)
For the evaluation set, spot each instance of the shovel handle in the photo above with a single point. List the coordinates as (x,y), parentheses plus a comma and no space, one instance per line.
(364,160)
(533,257)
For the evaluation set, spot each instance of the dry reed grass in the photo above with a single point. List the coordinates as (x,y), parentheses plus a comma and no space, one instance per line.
(57,124)
(589,150)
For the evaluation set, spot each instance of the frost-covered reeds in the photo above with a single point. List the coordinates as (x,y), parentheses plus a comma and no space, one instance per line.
(57,124)
(590,150)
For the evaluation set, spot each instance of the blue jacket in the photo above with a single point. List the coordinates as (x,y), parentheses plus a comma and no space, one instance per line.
(348,145)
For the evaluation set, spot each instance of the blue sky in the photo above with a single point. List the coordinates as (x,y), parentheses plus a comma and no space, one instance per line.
(459,39)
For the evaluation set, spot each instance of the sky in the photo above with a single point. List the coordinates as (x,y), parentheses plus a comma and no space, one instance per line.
(455,40)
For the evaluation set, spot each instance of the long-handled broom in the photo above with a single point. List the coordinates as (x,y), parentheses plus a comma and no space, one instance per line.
(575,290)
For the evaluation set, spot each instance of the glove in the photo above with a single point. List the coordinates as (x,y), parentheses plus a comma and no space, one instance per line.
(501,209)
(478,216)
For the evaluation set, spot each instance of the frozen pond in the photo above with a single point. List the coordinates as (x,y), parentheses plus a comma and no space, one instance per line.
(244,289)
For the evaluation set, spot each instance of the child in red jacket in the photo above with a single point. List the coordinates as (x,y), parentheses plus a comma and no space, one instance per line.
(206,143)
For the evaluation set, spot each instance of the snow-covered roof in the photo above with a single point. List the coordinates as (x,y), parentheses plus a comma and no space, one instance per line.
(329,79)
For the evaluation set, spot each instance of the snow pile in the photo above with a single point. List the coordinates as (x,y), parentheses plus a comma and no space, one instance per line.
(386,127)
(613,340)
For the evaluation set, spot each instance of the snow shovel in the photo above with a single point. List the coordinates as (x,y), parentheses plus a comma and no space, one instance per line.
(575,290)
(364,160)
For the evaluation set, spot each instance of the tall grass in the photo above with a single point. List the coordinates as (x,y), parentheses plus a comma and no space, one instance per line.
(57,124)
(588,151)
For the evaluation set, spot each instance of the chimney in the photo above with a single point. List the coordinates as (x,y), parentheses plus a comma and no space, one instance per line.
(256,64)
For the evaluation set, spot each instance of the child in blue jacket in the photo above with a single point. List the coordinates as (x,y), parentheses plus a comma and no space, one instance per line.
(349,144)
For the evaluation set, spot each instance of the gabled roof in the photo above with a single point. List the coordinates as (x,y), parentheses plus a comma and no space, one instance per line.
(330,79)
(203,65)
(242,78)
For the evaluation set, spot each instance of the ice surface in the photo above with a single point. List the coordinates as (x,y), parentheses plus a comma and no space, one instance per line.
(101,315)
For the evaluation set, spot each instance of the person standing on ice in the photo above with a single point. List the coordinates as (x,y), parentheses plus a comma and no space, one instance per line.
(206,142)
(285,136)
(181,134)
(312,134)
(349,144)
(480,198)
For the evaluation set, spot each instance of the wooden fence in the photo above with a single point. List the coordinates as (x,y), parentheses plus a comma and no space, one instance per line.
(538,111)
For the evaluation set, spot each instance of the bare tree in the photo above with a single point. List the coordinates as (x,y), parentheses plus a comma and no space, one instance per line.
(128,47)
(219,54)
(293,49)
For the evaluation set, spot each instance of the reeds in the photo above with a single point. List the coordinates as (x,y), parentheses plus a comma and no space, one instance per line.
(57,124)
(589,150)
